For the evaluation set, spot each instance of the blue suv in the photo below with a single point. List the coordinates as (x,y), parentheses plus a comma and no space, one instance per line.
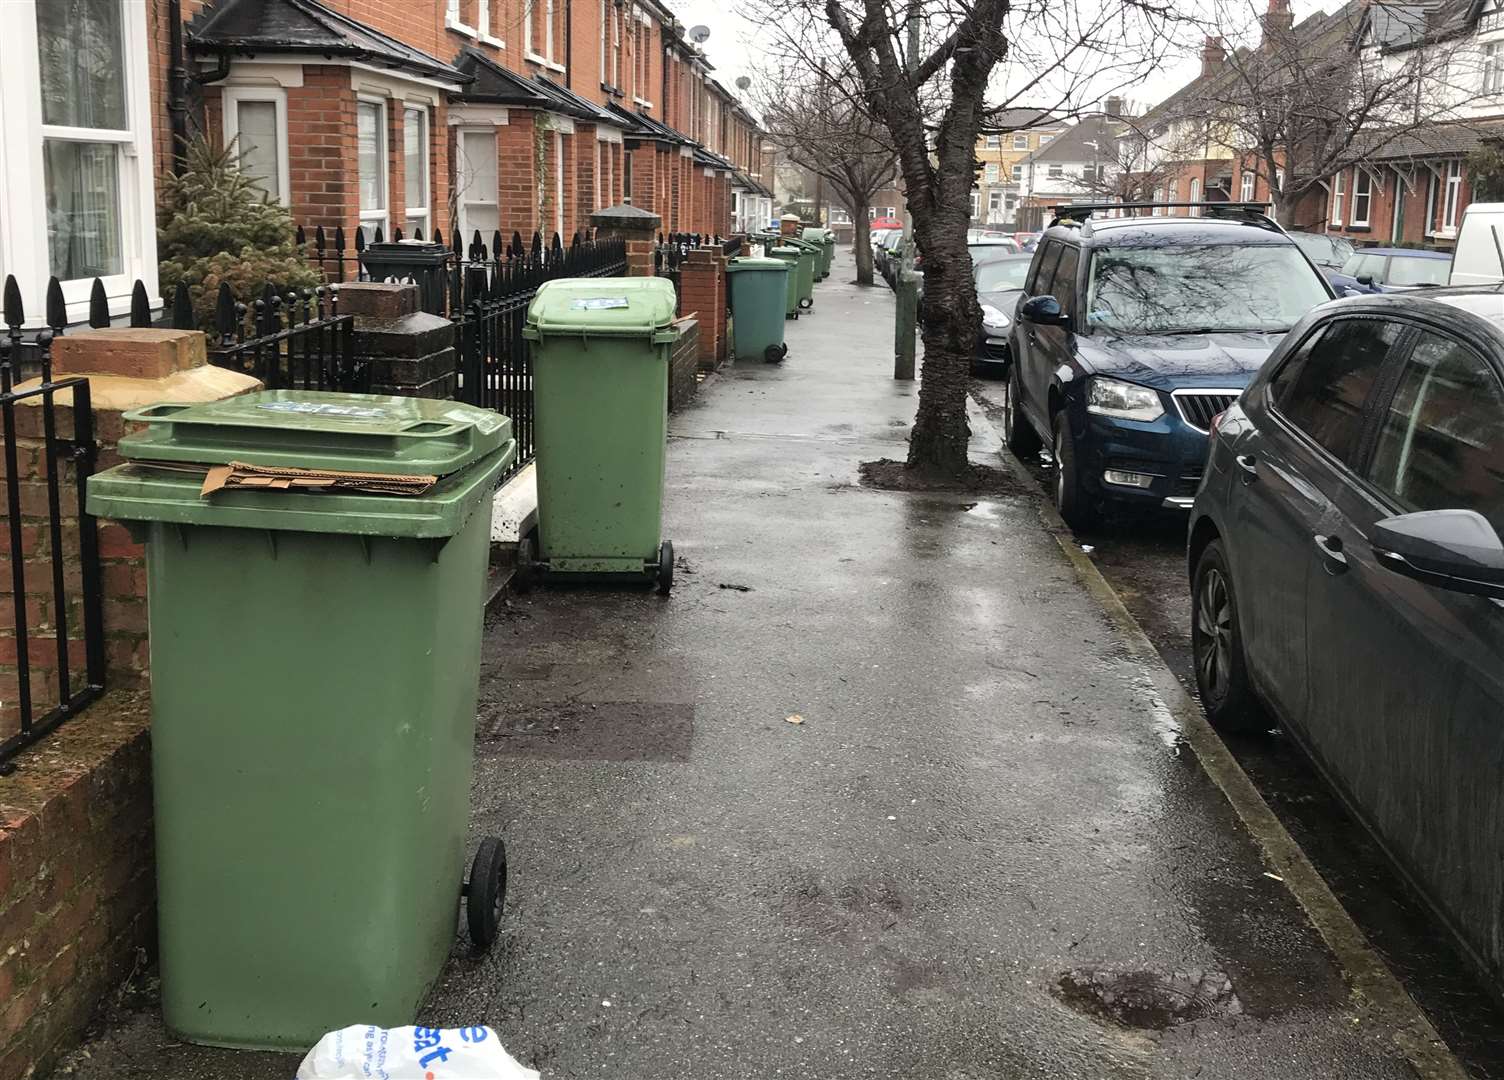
(1132,333)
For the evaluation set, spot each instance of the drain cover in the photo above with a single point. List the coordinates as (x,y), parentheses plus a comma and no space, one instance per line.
(1149,1000)
(587,731)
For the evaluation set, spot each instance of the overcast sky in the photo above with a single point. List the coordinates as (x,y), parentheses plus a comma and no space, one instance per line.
(735,47)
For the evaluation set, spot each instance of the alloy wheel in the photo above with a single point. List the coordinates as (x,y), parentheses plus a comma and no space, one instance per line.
(1213,645)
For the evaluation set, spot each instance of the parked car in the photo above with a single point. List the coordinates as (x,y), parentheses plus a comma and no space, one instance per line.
(1479,255)
(1027,241)
(1347,574)
(979,249)
(883,250)
(999,281)
(1328,252)
(1134,334)
(1380,270)
(887,223)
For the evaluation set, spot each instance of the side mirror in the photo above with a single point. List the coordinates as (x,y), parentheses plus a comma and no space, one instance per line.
(1044,310)
(1365,279)
(1456,550)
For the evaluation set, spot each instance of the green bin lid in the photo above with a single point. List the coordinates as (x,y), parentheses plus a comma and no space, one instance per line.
(604,307)
(785,252)
(305,429)
(757,262)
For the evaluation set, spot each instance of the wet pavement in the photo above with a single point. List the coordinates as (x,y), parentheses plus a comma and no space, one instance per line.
(1143,558)
(984,852)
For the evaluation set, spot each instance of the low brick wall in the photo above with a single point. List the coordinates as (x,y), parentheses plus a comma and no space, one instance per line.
(77,879)
(684,366)
(702,282)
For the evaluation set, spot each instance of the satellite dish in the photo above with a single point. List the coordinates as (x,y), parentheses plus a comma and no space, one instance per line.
(699,34)
(743,82)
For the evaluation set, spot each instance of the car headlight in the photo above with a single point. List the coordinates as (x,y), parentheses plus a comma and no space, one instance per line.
(1124,400)
(992,316)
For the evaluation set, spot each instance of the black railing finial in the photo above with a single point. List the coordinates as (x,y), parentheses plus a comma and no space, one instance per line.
(224,315)
(182,309)
(15,311)
(140,306)
(99,306)
(57,307)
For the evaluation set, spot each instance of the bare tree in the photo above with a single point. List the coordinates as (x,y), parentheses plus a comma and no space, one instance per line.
(812,117)
(926,69)
(1337,91)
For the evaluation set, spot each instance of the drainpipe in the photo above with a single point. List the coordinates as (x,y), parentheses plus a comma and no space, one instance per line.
(568,44)
(177,85)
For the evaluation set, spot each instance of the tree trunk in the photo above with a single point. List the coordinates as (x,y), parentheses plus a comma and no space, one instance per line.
(861,242)
(952,314)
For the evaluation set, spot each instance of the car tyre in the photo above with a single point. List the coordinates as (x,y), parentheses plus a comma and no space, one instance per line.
(1217,647)
(1072,502)
(1020,436)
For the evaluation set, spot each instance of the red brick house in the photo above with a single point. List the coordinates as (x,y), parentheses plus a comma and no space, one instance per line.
(492,115)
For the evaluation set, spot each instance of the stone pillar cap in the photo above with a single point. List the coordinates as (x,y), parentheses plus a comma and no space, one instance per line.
(626,217)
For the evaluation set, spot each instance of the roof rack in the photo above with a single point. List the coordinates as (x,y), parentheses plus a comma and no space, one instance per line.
(1254,213)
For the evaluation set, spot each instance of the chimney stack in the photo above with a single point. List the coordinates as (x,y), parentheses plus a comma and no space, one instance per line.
(1213,55)
(1114,107)
(1277,20)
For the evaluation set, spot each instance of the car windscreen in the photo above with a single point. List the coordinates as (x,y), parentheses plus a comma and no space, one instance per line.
(1181,288)
(1404,270)
(1002,274)
(1362,264)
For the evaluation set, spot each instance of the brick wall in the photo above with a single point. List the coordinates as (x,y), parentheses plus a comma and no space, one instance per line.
(517,173)
(321,150)
(702,283)
(683,367)
(77,888)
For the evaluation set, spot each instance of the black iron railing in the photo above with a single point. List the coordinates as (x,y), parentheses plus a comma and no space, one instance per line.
(290,340)
(53,662)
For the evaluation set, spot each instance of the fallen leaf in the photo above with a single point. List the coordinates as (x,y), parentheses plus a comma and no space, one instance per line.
(794,718)
(736,588)
(1274,877)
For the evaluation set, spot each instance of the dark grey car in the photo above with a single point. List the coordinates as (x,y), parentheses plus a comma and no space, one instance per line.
(1347,573)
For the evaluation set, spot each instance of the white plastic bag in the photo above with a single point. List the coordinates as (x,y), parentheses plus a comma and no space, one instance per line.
(364,1052)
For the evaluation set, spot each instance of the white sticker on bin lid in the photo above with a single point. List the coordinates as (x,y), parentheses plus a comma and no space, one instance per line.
(323,408)
(599,303)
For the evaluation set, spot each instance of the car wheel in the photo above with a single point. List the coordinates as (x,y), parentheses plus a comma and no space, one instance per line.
(1217,647)
(1070,500)
(1022,439)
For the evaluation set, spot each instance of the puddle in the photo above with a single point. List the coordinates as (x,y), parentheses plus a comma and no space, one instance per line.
(1148,1000)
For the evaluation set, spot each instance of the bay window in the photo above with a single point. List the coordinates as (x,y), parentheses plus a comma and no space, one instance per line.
(370,133)
(415,172)
(76,198)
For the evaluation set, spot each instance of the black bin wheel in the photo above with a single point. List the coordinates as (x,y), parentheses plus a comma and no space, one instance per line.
(774,354)
(665,567)
(486,892)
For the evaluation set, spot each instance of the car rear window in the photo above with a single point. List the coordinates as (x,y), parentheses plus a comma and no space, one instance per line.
(1362,265)
(1324,388)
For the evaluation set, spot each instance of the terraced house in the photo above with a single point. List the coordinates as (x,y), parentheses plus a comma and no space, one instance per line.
(368,115)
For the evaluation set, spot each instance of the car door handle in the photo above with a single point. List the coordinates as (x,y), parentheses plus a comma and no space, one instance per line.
(1332,556)
(1250,466)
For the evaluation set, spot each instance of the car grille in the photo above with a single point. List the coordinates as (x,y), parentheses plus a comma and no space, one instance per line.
(1197,407)
(995,351)
(1185,484)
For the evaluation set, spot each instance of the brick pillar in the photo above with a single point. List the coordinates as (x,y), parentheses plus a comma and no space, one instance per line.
(127,369)
(411,352)
(321,153)
(645,178)
(790,225)
(637,227)
(517,176)
(587,165)
(702,281)
(396,168)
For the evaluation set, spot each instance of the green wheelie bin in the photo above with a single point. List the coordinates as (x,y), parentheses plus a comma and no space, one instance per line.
(791,295)
(759,291)
(809,262)
(600,350)
(825,252)
(315,618)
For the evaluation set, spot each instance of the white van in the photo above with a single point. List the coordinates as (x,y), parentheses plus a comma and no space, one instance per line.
(1479,256)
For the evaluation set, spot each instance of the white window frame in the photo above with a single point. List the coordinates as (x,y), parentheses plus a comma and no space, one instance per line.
(529,51)
(643,58)
(559,186)
(1452,197)
(1020,142)
(24,247)
(1054,172)
(1246,185)
(425,145)
(991,171)
(1362,189)
(1493,67)
(1158,197)
(382,216)
(1338,194)
(232,97)
(1018,172)
(1194,195)
(462,182)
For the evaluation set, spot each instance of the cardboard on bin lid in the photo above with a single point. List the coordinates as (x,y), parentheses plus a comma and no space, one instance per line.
(304,429)
(604,307)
